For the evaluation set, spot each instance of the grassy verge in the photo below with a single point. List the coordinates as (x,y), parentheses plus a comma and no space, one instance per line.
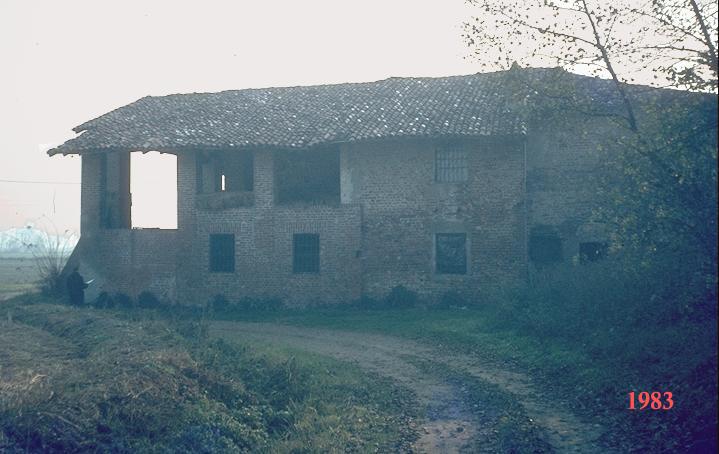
(82,380)
(14,289)
(590,372)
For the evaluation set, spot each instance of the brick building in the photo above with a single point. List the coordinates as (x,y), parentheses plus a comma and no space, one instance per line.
(326,193)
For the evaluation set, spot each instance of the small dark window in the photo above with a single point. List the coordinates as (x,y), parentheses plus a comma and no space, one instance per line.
(545,249)
(222,253)
(305,253)
(592,251)
(451,253)
(450,165)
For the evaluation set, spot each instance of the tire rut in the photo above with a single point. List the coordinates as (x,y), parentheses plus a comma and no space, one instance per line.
(450,424)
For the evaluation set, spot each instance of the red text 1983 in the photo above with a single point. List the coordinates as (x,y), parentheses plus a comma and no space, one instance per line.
(655,400)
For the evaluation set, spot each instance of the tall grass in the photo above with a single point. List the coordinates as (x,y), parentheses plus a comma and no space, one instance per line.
(609,328)
(78,380)
(50,256)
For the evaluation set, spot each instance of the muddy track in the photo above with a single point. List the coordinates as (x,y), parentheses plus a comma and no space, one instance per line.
(450,424)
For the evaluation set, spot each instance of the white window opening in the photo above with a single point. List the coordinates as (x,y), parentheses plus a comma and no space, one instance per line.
(153,185)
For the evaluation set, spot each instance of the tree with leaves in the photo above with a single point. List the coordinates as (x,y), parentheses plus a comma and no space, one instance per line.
(660,190)
(667,157)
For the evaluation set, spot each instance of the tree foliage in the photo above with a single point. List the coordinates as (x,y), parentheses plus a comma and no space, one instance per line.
(663,205)
(660,178)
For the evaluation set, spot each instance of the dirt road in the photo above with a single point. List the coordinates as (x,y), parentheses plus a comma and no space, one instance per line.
(450,423)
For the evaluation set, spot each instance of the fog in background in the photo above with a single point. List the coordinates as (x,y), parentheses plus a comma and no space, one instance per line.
(64,63)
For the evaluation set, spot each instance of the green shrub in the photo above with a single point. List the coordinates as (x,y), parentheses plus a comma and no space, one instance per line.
(272,304)
(219,304)
(103,301)
(123,301)
(401,297)
(451,299)
(50,256)
(248,304)
(366,302)
(148,300)
(570,301)
(636,328)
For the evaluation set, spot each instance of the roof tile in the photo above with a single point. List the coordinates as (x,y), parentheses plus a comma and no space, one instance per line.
(304,116)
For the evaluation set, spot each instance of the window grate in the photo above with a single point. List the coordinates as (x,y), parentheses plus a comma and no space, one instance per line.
(222,253)
(451,165)
(305,253)
(451,253)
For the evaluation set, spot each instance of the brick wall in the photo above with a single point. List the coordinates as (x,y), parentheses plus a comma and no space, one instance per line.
(121,260)
(403,208)
(563,177)
(90,194)
(263,245)
(381,234)
(129,261)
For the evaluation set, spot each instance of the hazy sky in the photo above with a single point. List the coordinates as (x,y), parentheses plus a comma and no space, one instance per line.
(66,62)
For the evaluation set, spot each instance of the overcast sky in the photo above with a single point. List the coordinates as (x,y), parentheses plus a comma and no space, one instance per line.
(66,62)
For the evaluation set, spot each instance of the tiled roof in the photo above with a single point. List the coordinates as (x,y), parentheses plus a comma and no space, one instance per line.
(300,117)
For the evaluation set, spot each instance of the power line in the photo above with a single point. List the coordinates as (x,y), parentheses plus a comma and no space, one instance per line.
(38,182)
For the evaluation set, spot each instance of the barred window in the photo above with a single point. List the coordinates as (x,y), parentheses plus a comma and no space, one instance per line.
(451,253)
(222,253)
(450,165)
(306,253)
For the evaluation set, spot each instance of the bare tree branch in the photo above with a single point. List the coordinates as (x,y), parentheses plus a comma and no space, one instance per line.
(608,62)
(707,38)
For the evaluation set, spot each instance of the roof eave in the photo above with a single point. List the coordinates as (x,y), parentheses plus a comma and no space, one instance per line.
(64,150)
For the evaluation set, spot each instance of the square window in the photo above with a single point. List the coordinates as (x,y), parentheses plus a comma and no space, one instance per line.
(592,251)
(545,249)
(305,253)
(450,165)
(451,253)
(222,253)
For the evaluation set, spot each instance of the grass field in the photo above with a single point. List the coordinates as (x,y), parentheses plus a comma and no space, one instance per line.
(78,380)
(91,380)
(309,381)
(17,275)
